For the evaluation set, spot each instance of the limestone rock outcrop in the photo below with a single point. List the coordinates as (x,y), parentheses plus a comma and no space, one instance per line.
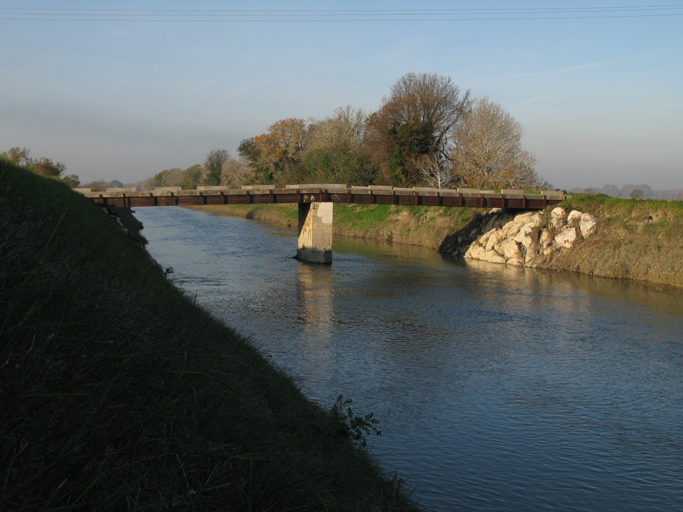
(524,239)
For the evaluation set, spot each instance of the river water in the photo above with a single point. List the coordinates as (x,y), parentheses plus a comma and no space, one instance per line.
(496,388)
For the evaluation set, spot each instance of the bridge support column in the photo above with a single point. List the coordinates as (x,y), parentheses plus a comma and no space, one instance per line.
(315,232)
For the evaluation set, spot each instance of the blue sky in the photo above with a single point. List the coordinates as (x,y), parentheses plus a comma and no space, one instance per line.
(599,95)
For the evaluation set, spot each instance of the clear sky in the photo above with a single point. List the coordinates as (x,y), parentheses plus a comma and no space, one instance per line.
(127,89)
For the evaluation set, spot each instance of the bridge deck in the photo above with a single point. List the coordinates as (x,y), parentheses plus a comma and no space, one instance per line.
(334,194)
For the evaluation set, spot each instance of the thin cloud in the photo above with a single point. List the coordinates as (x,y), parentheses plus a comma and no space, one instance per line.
(592,65)
(537,98)
(568,69)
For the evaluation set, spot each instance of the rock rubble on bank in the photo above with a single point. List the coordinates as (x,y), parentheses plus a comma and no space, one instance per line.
(527,239)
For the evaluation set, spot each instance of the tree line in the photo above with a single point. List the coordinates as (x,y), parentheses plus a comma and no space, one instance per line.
(426,132)
(43,166)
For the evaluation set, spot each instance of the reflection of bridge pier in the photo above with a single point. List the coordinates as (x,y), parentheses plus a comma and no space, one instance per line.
(316,202)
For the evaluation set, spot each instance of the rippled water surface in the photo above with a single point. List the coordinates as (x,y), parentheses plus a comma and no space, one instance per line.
(497,389)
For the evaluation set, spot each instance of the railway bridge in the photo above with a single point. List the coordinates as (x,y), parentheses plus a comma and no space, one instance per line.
(316,203)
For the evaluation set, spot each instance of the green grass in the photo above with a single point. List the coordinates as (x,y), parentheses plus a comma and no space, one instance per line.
(118,393)
(415,225)
(357,216)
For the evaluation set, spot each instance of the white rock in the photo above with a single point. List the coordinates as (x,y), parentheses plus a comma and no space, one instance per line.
(483,239)
(588,225)
(495,239)
(532,252)
(524,218)
(566,238)
(514,262)
(509,248)
(475,251)
(524,236)
(574,218)
(537,220)
(492,257)
(511,229)
(502,220)
(557,217)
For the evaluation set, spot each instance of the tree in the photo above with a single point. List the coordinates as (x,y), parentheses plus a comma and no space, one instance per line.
(280,151)
(214,161)
(248,151)
(19,156)
(488,151)
(637,194)
(336,152)
(47,167)
(233,172)
(191,177)
(168,178)
(434,172)
(72,180)
(417,119)
(44,166)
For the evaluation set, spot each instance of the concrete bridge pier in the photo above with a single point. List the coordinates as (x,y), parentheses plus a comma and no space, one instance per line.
(315,232)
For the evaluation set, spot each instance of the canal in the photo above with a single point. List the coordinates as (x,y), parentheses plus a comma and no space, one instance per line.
(497,389)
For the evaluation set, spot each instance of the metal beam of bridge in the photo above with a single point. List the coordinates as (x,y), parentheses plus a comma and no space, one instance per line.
(316,203)
(174,196)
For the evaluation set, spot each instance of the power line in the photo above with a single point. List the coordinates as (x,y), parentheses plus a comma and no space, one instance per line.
(323,15)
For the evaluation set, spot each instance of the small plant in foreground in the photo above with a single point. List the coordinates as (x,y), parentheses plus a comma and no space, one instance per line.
(354,426)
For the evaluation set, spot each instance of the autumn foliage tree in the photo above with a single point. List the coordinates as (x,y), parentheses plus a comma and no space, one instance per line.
(279,151)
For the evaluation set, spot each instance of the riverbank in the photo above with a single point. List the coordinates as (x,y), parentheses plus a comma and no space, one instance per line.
(414,225)
(632,239)
(595,235)
(118,392)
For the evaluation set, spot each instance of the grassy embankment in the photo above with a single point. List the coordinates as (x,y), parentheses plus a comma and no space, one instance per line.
(636,239)
(118,393)
(415,225)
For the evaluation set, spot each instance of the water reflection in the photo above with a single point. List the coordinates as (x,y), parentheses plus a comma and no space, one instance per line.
(497,388)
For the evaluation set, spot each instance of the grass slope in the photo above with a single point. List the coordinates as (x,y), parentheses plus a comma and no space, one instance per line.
(118,393)
(636,239)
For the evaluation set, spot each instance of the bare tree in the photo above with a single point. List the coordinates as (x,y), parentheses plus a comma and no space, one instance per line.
(336,151)
(488,151)
(435,172)
(233,172)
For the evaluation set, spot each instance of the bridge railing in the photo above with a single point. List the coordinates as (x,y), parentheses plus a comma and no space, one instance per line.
(334,193)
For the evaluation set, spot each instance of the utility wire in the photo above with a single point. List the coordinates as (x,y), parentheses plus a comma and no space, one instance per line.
(328,15)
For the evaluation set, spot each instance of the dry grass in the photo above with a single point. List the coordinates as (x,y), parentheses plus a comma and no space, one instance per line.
(635,239)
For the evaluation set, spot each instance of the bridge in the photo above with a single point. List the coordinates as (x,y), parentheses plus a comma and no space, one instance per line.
(316,202)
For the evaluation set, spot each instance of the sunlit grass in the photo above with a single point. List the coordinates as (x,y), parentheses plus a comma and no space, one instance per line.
(636,239)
